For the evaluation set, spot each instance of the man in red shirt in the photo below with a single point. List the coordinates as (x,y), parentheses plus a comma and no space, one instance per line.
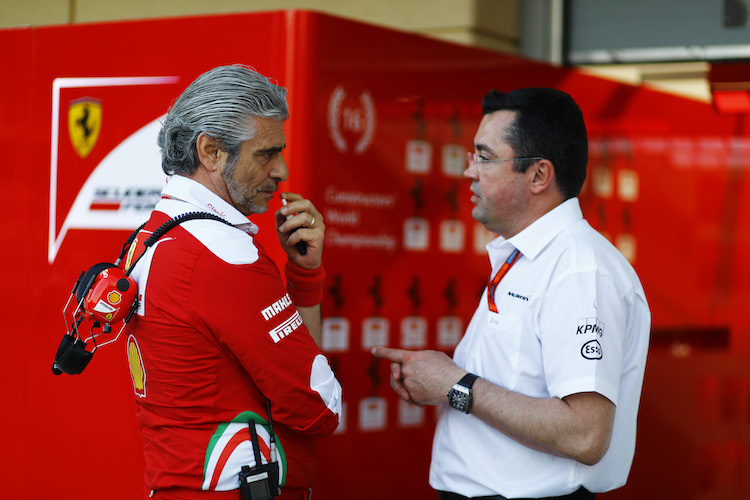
(218,340)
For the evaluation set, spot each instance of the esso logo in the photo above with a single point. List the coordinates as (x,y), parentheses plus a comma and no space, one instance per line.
(592,350)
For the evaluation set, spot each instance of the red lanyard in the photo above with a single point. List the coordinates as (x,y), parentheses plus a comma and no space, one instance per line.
(496,280)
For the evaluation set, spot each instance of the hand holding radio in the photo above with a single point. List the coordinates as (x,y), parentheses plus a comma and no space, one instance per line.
(301,230)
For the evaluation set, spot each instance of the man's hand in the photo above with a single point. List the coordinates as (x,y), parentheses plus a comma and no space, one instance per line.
(421,377)
(305,224)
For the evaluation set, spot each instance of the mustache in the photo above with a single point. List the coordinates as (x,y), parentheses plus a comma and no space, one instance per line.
(269,187)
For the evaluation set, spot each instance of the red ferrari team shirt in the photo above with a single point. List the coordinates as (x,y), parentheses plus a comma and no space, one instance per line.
(215,335)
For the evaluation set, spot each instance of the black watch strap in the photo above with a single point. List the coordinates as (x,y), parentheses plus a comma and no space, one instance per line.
(468,380)
(460,396)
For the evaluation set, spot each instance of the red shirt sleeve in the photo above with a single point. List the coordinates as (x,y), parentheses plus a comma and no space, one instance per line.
(247,309)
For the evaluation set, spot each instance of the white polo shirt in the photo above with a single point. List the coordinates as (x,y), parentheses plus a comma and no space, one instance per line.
(572,317)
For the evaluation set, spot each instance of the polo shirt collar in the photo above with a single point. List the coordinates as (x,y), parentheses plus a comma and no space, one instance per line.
(532,240)
(185,189)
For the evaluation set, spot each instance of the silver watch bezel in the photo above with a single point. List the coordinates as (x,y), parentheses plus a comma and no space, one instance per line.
(459,397)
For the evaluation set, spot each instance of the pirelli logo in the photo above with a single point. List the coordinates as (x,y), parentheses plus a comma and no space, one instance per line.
(275,308)
(286,327)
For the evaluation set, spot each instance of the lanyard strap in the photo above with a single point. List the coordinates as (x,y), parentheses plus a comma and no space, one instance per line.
(499,276)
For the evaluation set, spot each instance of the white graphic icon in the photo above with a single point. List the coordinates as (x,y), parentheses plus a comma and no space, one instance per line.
(360,121)
(452,235)
(449,331)
(481,238)
(416,233)
(414,332)
(418,156)
(454,160)
(410,415)
(335,334)
(374,332)
(372,414)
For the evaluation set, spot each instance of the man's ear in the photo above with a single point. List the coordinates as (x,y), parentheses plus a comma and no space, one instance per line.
(542,176)
(209,153)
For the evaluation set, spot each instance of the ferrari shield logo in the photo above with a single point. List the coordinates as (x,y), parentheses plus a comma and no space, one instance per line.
(84,124)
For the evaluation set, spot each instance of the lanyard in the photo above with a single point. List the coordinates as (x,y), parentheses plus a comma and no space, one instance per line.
(496,280)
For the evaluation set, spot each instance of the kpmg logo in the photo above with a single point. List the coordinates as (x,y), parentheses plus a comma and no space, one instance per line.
(590,325)
(123,188)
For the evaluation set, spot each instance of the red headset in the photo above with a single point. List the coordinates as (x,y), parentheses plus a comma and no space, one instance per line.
(105,297)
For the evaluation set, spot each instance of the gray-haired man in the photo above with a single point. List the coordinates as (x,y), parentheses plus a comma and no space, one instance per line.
(219,345)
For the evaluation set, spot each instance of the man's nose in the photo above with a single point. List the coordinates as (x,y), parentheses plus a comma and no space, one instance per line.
(472,170)
(280,170)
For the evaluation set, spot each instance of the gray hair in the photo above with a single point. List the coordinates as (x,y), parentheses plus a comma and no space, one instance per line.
(219,103)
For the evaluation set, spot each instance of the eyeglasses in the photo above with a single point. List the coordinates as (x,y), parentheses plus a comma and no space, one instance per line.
(476,160)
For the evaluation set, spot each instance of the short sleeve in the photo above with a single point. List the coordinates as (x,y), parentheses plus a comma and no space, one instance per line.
(582,330)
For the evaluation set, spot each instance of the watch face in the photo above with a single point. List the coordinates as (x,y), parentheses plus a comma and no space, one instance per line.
(459,398)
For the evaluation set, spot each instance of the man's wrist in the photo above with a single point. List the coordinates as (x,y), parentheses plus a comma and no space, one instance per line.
(305,286)
(461,396)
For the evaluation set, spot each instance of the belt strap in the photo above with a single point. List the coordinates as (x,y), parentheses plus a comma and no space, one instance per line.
(182,494)
(580,494)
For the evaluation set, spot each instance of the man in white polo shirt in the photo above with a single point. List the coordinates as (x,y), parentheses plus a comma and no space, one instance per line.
(543,389)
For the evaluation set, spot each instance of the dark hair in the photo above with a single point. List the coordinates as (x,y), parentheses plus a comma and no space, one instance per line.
(549,124)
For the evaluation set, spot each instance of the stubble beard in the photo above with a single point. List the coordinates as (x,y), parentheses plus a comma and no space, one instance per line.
(245,197)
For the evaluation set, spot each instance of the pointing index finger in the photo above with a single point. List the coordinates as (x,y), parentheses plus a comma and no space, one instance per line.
(396,355)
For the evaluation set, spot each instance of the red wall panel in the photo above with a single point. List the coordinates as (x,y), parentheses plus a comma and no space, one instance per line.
(379,123)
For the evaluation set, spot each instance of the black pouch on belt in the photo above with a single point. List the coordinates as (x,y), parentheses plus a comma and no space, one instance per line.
(262,481)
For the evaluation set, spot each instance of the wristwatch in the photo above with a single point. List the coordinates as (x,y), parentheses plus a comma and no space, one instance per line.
(459,396)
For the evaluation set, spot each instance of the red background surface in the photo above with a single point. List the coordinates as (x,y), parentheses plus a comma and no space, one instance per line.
(76,437)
